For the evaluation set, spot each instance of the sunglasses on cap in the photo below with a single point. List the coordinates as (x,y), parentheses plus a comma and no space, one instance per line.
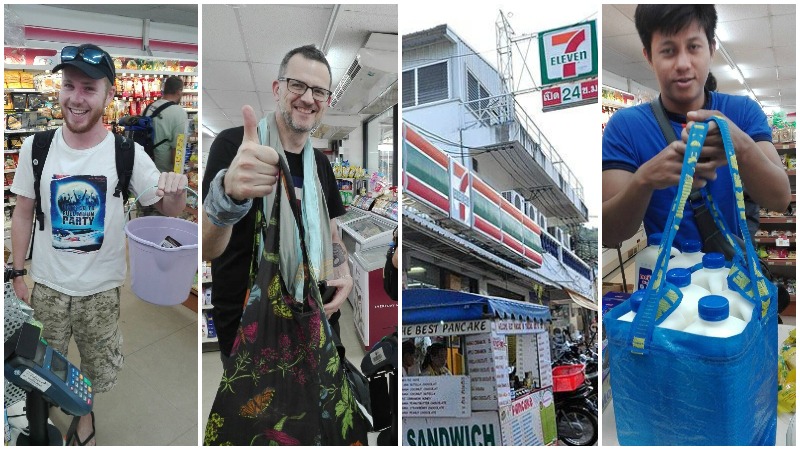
(86,54)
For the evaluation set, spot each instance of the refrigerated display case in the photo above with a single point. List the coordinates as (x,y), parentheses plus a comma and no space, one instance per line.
(374,313)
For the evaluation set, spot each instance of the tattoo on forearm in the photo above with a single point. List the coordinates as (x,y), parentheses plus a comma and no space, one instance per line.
(339,255)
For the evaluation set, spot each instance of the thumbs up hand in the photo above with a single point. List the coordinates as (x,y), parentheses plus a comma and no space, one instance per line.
(254,170)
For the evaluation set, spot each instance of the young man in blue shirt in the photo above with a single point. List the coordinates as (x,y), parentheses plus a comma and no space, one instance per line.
(641,170)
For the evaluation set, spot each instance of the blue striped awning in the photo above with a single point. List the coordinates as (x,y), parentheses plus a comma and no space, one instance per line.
(435,305)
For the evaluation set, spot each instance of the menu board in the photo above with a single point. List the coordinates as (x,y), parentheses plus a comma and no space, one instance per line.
(543,351)
(480,360)
(436,396)
(500,354)
(525,421)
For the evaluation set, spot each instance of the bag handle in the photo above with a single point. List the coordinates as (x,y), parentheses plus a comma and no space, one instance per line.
(662,297)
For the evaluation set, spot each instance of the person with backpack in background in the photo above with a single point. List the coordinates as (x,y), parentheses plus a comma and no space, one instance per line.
(169,120)
(73,179)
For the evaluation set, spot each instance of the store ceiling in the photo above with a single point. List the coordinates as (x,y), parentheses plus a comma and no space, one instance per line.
(759,38)
(173,14)
(244,44)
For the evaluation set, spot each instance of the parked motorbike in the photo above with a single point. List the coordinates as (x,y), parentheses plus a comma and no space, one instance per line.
(576,416)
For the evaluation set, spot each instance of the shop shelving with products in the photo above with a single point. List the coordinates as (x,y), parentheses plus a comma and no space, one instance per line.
(207,337)
(776,238)
(613,100)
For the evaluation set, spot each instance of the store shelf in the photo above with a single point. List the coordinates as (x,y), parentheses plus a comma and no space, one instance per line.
(770,240)
(784,145)
(123,72)
(191,110)
(9,170)
(29,130)
(788,219)
(10,151)
(26,67)
(779,262)
(209,340)
(208,307)
(616,105)
(21,90)
(791,172)
(23,110)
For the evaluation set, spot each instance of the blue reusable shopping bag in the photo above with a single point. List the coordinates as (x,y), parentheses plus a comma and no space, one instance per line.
(675,388)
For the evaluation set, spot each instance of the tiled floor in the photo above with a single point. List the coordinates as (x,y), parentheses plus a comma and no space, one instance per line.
(155,399)
(212,366)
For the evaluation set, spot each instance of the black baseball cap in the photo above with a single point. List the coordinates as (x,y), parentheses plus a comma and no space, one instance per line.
(89,59)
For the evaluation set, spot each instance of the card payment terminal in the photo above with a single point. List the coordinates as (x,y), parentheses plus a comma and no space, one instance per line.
(32,364)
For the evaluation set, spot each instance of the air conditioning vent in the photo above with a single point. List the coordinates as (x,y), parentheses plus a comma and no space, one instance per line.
(345,82)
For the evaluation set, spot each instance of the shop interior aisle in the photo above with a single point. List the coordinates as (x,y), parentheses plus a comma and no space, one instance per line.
(155,399)
(212,365)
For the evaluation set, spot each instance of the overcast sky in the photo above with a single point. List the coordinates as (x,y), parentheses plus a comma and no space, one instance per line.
(574,132)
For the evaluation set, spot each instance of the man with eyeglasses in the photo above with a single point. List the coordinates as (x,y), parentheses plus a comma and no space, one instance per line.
(240,169)
(78,262)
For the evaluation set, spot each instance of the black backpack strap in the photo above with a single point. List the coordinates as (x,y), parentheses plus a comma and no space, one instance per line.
(41,146)
(663,122)
(159,109)
(123,155)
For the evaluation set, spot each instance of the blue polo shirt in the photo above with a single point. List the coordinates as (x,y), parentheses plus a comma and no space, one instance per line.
(632,137)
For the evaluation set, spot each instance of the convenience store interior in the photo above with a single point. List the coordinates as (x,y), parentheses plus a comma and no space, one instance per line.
(756,43)
(756,56)
(155,399)
(241,57)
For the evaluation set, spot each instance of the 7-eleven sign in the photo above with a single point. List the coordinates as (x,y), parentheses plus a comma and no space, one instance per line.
(569,53)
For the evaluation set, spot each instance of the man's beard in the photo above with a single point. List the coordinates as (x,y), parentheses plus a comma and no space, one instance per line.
(94,117)
(287,117)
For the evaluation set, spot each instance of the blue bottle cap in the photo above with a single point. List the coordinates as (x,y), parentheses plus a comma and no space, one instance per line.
(679,277)
(691,246)
(636,300)
(713,308)
(713,260)
(654,239)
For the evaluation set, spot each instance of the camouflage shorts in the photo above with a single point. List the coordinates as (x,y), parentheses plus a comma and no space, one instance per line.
(93,321)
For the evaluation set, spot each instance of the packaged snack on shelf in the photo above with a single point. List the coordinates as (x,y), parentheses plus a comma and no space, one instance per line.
(12,79)
(36,101)
(19,100)
(26,80)
(787,375)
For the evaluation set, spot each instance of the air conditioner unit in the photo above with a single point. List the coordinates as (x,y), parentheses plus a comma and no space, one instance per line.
(531,211)
(557,233)
(369,76)
(515,198)
(542,221)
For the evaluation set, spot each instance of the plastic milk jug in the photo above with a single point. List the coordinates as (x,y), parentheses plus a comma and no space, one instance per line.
(675,321)
(738,306)
(692,293)
(689,257)
(645,260)
(714,275)
(714,319)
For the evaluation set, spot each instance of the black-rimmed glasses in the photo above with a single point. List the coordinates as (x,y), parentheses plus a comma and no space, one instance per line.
(298,87)
(86,54)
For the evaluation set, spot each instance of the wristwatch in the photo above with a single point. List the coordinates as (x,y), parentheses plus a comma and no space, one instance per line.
(17,273)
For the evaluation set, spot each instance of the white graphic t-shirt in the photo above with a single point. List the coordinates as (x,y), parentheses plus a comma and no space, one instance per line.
(81,250)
